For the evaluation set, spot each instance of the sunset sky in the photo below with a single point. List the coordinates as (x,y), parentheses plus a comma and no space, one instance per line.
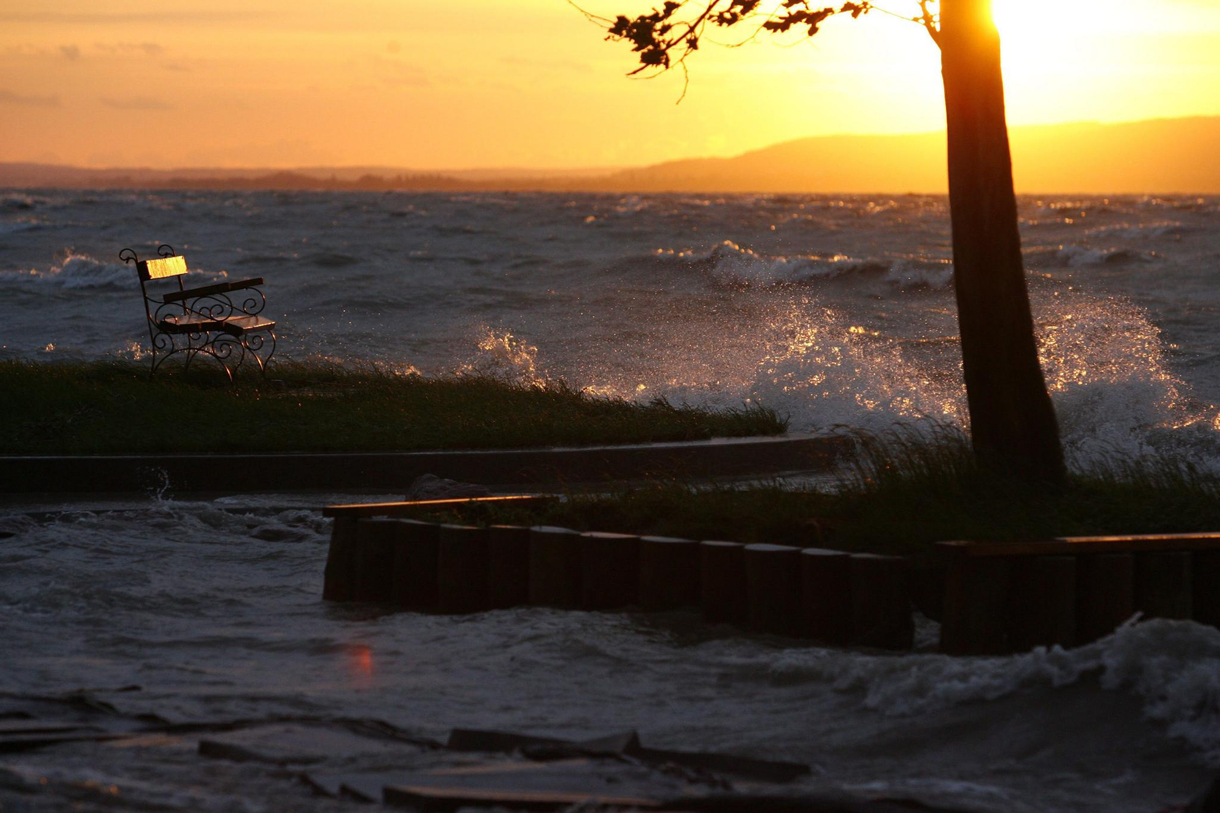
(514,83)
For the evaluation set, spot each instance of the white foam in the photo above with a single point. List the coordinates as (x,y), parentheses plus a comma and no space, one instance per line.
(1171,667)
(502,356)
(907,274)
(735,266)
(1080,256)
(77,271)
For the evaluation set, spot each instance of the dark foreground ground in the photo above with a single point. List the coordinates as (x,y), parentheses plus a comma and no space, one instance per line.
(114,407)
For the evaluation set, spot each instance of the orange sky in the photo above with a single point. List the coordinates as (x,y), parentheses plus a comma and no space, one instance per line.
(487,83)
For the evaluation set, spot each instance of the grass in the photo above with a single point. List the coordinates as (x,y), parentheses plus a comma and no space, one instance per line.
(902,493)
(109,407)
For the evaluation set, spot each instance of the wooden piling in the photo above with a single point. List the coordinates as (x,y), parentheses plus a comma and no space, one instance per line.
(826,596)
(1042,602)
(881,613)
(1163,584)
(556,567)
(773,587)
(976,606)
(669,573)
(928,574)
(508,566)
(415,565)
(722,582)
(461,569)
(1105,594)
(1205,587)
(374,560)
(337,581)
(610,568)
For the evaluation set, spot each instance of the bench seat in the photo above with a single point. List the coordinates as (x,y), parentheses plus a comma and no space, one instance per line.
(233,325)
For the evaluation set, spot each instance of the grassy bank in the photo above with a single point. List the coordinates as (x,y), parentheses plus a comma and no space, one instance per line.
(900,496)
(111,407)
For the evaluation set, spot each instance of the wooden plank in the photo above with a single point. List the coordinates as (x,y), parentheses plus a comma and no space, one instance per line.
(237,325)
(189,323)
(207,290)
(413,508)
(162,268)
(1086,544)
(441,797)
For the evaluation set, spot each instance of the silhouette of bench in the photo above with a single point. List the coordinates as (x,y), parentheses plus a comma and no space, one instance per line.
(222,321)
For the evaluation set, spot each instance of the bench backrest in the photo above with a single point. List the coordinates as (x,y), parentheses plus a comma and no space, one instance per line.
(162,268)
(168,265)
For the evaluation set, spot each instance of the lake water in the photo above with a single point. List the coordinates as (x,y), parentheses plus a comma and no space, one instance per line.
(831,310)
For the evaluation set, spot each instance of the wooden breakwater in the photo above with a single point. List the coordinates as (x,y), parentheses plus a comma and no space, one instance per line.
(378,553)
(1012,596)
(992,598)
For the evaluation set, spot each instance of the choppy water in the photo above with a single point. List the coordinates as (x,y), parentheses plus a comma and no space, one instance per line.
(834,311)
(216,614)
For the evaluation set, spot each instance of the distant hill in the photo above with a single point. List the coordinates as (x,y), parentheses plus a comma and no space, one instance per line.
(1161,156)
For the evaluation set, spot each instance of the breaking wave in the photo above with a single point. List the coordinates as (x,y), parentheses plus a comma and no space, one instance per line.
(76,271)
(734,267)
(1172,668)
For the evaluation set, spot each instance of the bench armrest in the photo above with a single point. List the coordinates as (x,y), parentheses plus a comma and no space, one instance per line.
(208,290)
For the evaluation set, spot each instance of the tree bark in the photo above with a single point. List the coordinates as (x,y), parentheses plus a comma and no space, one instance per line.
(1012,422)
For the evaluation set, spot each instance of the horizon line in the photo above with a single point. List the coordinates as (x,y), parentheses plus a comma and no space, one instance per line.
(584,169)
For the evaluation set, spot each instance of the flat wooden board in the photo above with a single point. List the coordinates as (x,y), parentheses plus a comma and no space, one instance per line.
(415,507)
(207,290)
(162,268)
(1074,545)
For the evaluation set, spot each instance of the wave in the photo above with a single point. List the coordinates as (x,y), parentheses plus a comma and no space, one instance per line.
(16,226)
(80,271)
(20,203)
(1171,667)
(1081,256)
(1106,365)
(734,267)
(77,271)
(331,259)
(907,274)
(1145,231)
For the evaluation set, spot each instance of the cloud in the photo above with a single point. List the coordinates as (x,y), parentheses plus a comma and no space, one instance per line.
(397,72)
(9,97)
(147,48)
(124,18)
(70,52)
(137,103)
(548,64)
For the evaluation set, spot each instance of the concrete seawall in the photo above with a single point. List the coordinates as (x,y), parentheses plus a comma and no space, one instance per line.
(393,471)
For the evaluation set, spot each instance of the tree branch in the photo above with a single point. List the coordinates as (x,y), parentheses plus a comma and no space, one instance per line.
(929,22)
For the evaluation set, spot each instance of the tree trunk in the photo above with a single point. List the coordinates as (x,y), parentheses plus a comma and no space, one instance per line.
(1012,421)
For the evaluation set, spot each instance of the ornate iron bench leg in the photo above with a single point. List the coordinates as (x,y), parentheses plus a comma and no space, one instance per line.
(255,343)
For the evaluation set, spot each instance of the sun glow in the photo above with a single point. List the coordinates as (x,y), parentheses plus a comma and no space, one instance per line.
(1025,22)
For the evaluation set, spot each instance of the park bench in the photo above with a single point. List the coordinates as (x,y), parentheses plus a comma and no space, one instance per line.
(220,320)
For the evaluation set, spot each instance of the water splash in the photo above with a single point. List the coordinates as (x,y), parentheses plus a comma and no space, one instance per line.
(504,357)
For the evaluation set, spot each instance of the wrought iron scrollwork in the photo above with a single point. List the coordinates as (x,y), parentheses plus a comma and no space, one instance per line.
(210,324)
